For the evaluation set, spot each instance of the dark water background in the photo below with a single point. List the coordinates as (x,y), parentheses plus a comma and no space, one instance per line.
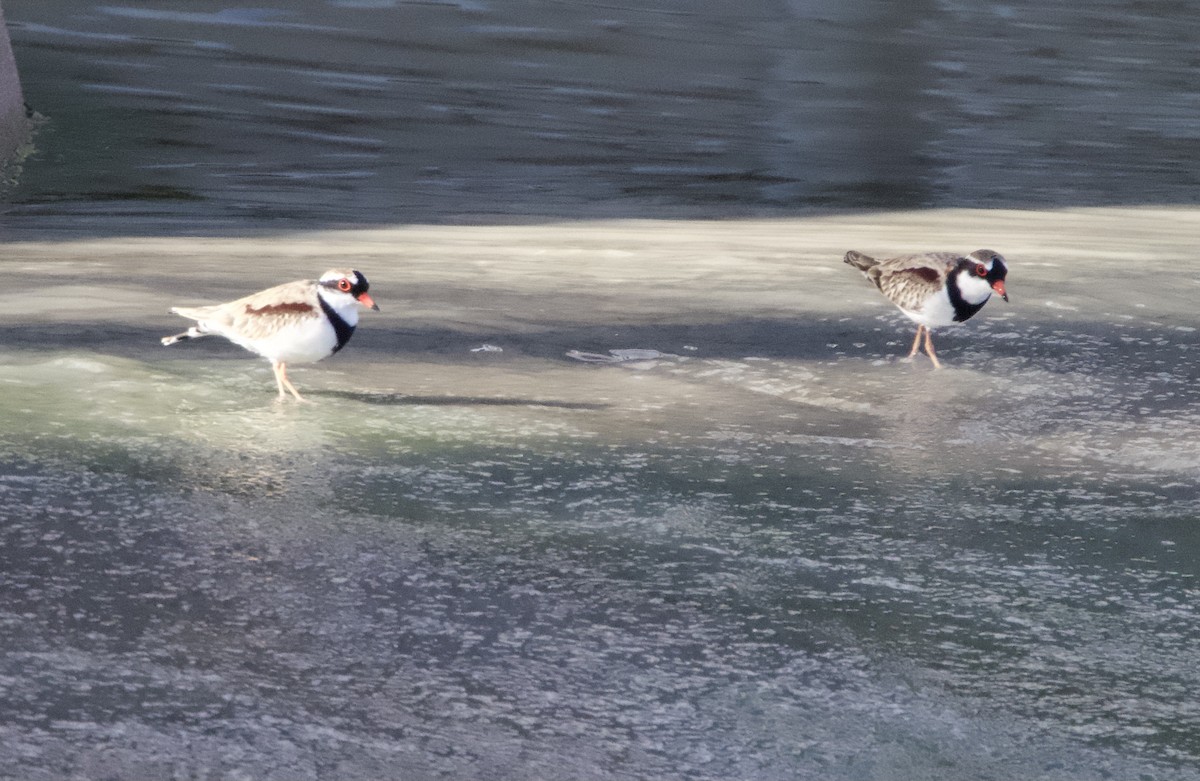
(768,551)
(309,113)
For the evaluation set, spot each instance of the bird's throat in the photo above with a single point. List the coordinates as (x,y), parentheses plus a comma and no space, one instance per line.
(963,309)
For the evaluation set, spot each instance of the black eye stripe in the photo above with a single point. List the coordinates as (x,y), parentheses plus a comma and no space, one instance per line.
(356,284)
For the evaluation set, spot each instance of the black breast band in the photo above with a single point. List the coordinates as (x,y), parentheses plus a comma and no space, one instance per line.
(340,327)
(962,310)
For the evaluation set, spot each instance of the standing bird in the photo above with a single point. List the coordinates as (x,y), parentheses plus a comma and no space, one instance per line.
(937,288)
(296,322)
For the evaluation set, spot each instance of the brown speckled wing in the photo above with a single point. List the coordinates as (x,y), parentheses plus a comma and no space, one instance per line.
(910,280)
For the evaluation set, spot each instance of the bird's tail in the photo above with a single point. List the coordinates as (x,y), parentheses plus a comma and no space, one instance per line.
(195,332)
(193,312)
(860,261)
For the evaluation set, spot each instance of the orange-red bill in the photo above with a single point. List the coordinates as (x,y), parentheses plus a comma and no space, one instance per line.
(998,286)
(366,300)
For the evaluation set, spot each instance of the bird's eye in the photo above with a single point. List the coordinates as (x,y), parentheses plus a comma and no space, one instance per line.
(981,270)
(344,284)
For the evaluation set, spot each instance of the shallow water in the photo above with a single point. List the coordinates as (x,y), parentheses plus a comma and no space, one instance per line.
(188,116)
(600,498)
(760,546)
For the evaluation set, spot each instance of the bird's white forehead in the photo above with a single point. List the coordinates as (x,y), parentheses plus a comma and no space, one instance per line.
(338,273)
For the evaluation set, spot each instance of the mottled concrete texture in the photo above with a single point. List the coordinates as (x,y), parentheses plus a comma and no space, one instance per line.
(14,125)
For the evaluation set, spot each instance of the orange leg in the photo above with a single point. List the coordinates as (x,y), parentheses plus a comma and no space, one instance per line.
(929,350)
(916,342)
(282,381)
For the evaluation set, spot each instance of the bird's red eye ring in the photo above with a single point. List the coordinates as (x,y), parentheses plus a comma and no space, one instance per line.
(981,270)
(344,285)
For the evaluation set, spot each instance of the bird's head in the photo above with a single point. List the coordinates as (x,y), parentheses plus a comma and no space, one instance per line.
(347,283)
(980,274)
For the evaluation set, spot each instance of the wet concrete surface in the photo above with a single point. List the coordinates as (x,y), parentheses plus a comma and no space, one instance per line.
(754,544)
(763,546)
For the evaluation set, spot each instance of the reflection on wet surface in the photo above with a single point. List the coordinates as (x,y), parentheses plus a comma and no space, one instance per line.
(752,544)
(605,498)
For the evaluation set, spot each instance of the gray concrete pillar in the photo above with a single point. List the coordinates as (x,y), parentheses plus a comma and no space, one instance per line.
(14,124)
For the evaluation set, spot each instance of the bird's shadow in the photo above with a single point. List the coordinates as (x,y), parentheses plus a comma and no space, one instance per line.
(404,399)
